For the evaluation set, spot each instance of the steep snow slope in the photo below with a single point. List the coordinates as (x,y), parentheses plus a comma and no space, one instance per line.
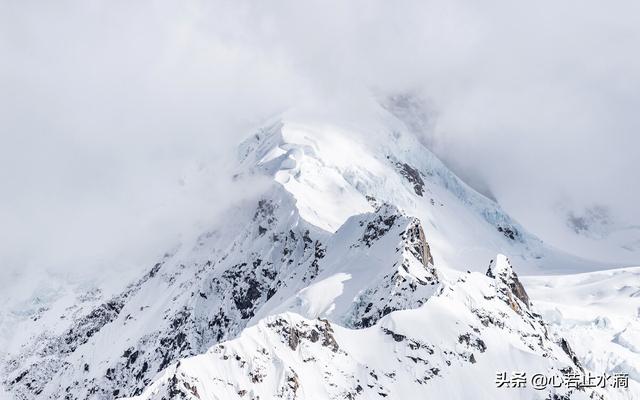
(347,167)
(374,264)
(191,299)
(360,223)
(484,325)
(188,302)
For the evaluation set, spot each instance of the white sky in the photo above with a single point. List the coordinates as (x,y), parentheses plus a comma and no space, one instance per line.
(106,105)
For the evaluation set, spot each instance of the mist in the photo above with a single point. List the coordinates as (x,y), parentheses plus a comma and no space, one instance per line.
(118,119)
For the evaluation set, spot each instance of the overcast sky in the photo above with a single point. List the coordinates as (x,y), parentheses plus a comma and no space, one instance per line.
(106,107)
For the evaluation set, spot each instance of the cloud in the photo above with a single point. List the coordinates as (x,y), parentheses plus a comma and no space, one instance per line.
(107,108)
(542,114)
(106,105)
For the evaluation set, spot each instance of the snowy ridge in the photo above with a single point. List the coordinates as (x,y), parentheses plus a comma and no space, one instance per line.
(359,244)
(481,328)
(283,261)
(348,167)
(376,263)
(181,307)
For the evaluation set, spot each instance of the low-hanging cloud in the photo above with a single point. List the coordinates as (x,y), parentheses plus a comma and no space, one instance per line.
(106,105)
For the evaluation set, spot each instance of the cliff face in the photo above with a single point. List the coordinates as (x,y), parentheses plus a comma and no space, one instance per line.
(501,270)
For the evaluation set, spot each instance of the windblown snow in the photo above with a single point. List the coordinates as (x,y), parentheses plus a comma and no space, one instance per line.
(367,270)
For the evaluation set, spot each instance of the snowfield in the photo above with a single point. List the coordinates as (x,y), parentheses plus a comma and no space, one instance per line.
(366,270)
(598,313)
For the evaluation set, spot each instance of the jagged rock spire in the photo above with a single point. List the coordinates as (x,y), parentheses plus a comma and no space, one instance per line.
(501,270)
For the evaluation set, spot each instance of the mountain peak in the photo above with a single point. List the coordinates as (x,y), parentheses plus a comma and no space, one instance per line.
(501,270)
(360,227)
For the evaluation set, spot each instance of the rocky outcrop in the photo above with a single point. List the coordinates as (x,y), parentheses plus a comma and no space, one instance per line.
(413,176)
(417,244)
(409,281)
(211,298)
(290,357)
(195,303)
(501,270)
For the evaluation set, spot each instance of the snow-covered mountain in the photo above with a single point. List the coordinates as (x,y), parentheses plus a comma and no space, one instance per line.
(366,269)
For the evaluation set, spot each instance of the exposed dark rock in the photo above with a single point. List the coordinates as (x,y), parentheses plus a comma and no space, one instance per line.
(473,342)
(564,344)
(396,336)
(509,231)
(509,277)
(294,340)
(413,176)
(379,226)
(414,235)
